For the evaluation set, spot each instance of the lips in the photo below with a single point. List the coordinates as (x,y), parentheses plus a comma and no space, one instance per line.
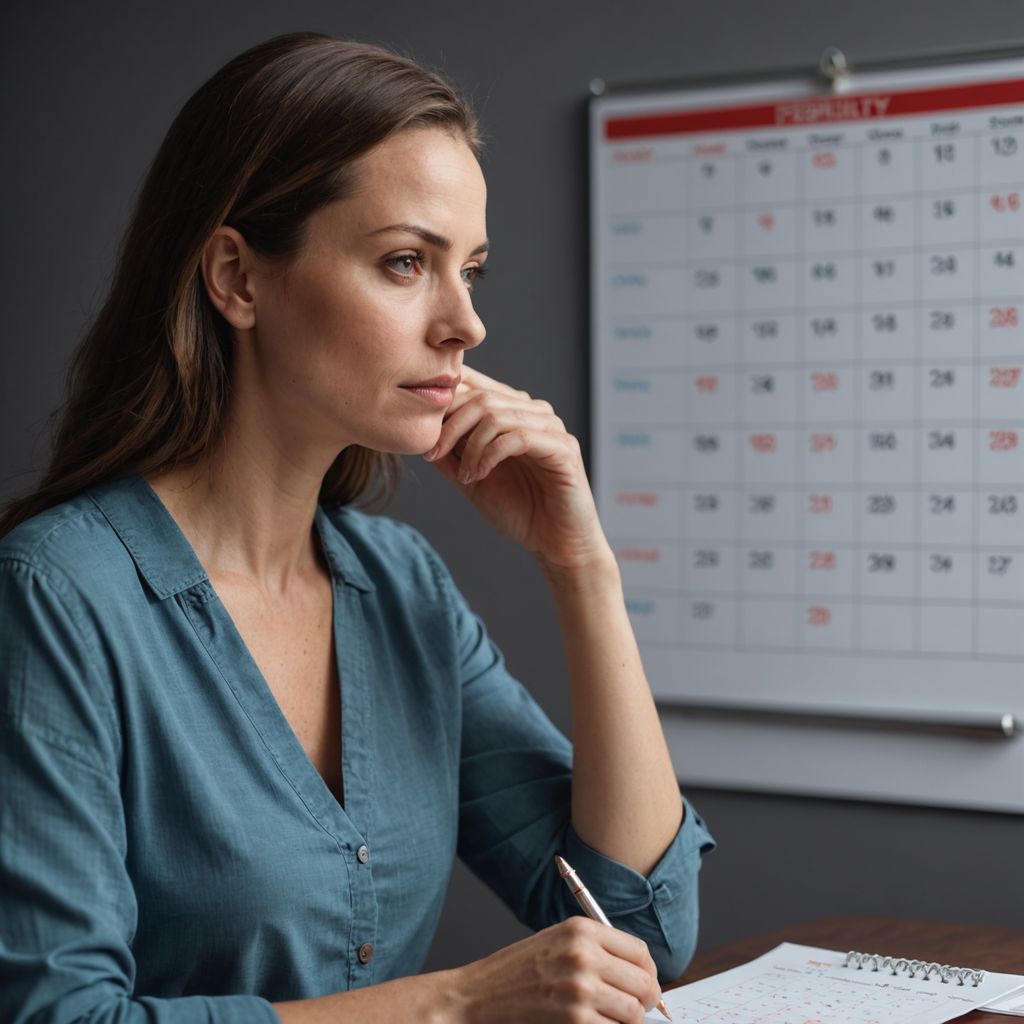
(443,381)
(438,392)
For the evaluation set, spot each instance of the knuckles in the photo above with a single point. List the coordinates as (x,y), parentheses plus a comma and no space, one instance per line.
(490,420)
(578,927)
(576,959)
(579,991)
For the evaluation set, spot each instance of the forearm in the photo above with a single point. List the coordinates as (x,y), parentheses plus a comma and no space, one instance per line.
(625,798)
(425,999)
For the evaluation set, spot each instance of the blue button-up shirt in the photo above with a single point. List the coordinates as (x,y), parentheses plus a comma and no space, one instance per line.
(167,850)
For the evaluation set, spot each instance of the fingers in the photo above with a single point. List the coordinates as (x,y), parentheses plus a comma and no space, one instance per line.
(624,946)
(633,984)
(614,969)
(483,453)
(474,379)
(613,1004)
(493,425)
(577,971)
(632,968)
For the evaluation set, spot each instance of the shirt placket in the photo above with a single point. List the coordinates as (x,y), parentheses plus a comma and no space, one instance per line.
(358,767)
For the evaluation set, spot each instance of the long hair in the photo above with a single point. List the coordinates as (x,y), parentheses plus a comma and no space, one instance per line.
(262,145)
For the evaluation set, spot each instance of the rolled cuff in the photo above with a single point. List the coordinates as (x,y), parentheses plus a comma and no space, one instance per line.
(662,907)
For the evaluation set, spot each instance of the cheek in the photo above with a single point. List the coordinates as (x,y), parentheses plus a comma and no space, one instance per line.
(345,331)
(376,338)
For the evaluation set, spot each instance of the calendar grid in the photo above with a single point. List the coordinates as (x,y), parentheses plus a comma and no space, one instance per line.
(813,364)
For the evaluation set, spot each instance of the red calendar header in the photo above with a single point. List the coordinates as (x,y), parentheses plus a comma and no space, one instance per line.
(818,110)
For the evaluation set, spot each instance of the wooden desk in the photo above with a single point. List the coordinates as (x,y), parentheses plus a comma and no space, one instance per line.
(967,945)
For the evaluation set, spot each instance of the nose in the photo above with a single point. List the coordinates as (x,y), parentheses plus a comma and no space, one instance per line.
(455,321)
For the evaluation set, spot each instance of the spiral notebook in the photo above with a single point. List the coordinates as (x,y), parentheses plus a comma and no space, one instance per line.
(805,985)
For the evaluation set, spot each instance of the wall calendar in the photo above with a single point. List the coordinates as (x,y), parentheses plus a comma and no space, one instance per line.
(808,398)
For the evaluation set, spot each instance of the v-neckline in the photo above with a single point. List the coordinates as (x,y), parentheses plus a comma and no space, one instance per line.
(224,643)
(263,709)
(330,769)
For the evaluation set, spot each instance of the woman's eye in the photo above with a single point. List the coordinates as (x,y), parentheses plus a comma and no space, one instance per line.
(405,265)
(472,274)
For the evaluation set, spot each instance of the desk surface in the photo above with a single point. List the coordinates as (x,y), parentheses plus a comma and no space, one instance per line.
(992,949)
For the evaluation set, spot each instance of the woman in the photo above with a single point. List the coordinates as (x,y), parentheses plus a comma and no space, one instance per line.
(246,727)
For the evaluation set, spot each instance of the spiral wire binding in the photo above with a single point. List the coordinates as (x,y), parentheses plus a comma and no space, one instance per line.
(912,968)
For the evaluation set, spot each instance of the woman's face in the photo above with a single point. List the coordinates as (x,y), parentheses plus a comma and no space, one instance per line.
(360,339)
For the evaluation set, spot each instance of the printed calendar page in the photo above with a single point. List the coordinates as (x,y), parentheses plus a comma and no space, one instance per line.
(808,345)
(795,984)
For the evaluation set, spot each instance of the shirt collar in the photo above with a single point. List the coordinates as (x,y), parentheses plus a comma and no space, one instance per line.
(344,562)
(163,554)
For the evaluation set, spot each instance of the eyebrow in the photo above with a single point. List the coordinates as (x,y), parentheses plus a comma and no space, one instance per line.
(428,236)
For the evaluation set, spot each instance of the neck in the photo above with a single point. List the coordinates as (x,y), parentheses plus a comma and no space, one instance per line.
(248,506)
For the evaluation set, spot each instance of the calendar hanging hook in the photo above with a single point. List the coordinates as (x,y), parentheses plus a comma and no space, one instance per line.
(834,67)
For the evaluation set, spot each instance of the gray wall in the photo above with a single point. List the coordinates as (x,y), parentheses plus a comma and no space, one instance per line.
(88,91)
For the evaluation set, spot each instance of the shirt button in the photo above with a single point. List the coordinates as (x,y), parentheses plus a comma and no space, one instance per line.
(365,953)
(363,854)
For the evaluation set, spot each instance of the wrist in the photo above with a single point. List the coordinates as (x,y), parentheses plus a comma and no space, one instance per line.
(593,573)
(452,1003)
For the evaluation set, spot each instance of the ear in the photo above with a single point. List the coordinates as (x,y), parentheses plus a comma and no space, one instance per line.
(226,265)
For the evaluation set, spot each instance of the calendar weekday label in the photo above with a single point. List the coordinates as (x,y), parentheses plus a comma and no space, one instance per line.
(809,372)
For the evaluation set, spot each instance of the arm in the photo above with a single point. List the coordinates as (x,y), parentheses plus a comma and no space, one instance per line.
(68,908)
(625,798)
(514,459)
(515,799)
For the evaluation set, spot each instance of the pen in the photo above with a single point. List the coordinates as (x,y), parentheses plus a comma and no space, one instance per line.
(590,906)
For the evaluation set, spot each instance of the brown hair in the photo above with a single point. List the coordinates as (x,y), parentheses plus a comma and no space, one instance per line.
(262,145)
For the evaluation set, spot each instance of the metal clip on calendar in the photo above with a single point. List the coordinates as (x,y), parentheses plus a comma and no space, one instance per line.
(835,69)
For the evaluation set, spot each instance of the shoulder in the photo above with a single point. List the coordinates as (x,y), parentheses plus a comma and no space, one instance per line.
(67,545)
(64,579)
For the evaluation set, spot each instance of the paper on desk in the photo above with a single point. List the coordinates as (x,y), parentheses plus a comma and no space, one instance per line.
(805,985)
(1012,1004)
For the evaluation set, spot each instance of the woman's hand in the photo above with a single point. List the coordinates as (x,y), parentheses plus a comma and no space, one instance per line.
(517,463)
(578,971)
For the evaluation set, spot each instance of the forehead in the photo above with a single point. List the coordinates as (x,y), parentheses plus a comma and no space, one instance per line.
(426,176)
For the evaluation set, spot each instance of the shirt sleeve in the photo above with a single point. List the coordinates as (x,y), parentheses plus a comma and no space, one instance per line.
(69,909)
(515,782)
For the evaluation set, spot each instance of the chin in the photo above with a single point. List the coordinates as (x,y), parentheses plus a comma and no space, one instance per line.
(417,442)
(396,434)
